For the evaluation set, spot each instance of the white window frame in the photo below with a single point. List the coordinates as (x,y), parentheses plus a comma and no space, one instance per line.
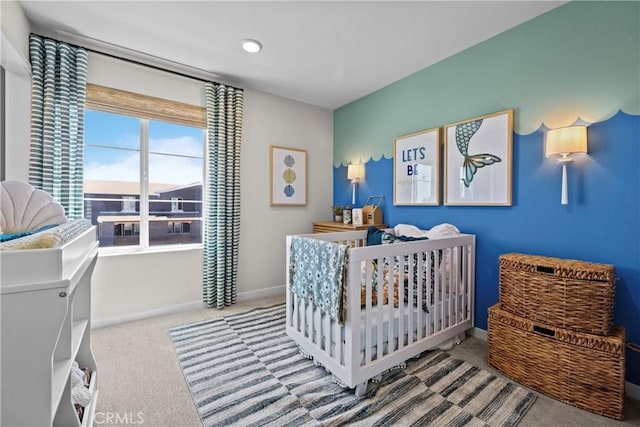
(144,234)
(145,108)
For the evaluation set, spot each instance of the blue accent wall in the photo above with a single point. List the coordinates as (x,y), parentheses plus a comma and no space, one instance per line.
(600,223)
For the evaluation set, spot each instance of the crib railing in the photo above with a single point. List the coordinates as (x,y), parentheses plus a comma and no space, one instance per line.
(432,282)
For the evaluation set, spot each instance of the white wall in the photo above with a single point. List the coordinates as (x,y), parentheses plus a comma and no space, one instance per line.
(128,286)
(14,51)
(271,120)
(15,26)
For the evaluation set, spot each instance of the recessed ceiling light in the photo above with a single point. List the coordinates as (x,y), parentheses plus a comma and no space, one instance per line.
(251,46)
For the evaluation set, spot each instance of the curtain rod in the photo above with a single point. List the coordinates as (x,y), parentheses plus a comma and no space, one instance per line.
(133,61)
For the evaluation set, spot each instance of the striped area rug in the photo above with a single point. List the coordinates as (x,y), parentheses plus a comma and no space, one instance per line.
(244,370)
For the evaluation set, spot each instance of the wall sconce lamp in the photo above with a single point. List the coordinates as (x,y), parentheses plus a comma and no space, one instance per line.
(563,142)
(355,172)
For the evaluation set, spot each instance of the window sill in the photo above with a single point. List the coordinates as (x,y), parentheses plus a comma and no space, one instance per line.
(136,250)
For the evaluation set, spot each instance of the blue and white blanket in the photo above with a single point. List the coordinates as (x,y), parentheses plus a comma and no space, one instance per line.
(46,238)
(318,273)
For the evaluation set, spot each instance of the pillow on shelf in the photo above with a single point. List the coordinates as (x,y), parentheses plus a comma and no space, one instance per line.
(409,230)
(26,208)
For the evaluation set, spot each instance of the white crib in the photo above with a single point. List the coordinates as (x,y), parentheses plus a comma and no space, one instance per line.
(351,352)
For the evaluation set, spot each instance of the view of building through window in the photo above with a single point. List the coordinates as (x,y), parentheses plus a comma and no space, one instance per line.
(119,150)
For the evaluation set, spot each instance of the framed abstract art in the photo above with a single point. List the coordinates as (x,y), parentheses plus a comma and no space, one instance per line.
(288,176)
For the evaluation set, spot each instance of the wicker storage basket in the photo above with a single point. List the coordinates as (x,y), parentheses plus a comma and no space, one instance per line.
(564,293)
(583,370)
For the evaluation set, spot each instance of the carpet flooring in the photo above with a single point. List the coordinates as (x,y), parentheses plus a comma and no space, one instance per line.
(243,369)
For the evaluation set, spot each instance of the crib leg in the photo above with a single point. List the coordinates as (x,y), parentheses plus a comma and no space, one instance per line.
(361,389)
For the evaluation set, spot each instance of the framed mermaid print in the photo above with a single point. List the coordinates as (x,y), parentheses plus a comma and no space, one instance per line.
(477,160)
(288,176)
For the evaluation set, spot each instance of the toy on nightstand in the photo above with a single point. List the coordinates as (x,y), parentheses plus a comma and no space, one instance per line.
(372,213)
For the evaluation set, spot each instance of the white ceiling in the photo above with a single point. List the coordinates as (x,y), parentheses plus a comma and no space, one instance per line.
(325,53)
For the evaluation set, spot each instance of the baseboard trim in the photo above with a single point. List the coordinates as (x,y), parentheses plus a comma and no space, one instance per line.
(111,321)
(243,296)
(478,333)
(630,389)
(262,293)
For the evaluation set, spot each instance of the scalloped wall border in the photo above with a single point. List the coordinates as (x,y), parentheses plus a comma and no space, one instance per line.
(534,68)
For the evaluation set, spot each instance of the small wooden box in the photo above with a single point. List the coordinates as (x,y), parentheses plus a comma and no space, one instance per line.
(372,215)
(583,370)
(564,293)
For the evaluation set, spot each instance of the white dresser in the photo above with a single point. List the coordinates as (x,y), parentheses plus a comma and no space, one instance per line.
(45,318)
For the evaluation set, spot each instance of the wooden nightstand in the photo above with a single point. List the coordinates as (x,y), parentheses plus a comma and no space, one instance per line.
(333,226)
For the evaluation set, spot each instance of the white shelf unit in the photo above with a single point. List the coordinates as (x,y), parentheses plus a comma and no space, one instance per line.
(45,324)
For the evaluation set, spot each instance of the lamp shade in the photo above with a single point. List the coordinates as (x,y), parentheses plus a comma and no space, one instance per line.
(355,171)
(563,141)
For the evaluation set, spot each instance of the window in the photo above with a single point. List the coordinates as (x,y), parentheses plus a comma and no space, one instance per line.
(126,229)
(176,204)
(142,176)
(179,227)
(128,204)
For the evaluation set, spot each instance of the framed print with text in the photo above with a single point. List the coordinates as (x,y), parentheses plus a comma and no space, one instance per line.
(416,168)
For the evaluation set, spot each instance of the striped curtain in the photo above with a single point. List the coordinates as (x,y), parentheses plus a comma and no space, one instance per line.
(58,85)
(222,199)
